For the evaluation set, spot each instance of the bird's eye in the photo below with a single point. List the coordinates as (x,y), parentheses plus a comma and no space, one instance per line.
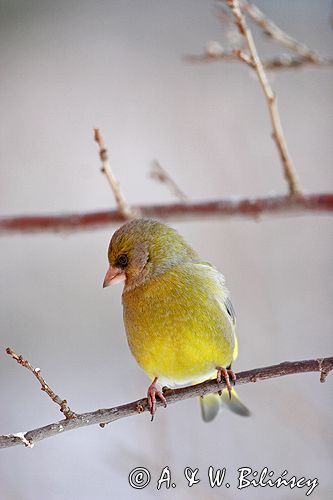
(122,261)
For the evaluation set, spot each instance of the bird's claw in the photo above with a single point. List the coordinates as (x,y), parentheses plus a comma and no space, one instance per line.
(152,394)
(228,376)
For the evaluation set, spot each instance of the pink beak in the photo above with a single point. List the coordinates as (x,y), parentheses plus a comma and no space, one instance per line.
(114,275)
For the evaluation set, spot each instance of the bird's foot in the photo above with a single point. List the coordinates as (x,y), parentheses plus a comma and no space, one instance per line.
(228,375)
(152,394)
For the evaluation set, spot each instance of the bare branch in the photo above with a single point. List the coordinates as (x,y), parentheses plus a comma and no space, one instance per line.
(160,174)
(273,31)
(287,61)
(64,408)
(282,61)
(289,170)
(303,54)
(223,208)
(123,208)
(108,415)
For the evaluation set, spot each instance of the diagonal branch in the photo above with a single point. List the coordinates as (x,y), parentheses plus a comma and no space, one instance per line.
(64,408)
(276,33)
(232,207)
(278,136)
(108,415)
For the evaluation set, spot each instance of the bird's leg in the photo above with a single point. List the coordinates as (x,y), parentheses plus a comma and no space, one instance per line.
(152,393)
(231,374)
(227,374)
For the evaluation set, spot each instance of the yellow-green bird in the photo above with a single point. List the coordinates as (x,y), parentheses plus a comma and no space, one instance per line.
(179,320)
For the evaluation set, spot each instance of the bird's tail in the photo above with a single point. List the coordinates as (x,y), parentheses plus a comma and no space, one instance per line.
(212,403)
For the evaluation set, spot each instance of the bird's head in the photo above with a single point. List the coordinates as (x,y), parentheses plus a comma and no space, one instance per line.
(142,249)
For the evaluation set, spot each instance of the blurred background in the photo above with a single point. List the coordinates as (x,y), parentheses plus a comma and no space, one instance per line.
(69,66)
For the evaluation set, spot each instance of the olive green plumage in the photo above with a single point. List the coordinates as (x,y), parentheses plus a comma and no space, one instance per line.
(178,317)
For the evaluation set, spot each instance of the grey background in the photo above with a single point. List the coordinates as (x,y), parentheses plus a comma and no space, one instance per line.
(69,66)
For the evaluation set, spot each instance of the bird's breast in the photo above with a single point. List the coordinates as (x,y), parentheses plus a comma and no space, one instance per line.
(177,330)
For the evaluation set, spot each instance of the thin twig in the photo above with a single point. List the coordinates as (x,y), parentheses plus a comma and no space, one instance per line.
(160,174)
(123,207)
(287,61)
(303,54)
(321,203)
(108,415)
(64,408)
(289,170)
(282,61)
(212,52)
(243,56)
(277,34)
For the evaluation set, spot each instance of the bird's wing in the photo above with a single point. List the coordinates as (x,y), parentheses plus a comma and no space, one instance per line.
(223,293)
(230,309)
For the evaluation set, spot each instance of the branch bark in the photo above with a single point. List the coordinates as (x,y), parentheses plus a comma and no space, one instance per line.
(247,207)
(108,415)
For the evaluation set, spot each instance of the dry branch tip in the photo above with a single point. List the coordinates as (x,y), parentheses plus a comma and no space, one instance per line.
(159,174)
(123,207)
(64,408)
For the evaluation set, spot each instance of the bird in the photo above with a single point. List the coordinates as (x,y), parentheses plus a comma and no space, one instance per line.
(177,312)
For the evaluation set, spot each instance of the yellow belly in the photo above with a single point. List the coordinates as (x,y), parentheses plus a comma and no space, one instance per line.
(178,331)
(180,360)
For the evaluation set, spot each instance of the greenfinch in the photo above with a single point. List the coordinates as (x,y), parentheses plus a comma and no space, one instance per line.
(178,317)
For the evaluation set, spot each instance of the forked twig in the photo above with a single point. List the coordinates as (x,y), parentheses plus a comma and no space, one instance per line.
(302,56)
